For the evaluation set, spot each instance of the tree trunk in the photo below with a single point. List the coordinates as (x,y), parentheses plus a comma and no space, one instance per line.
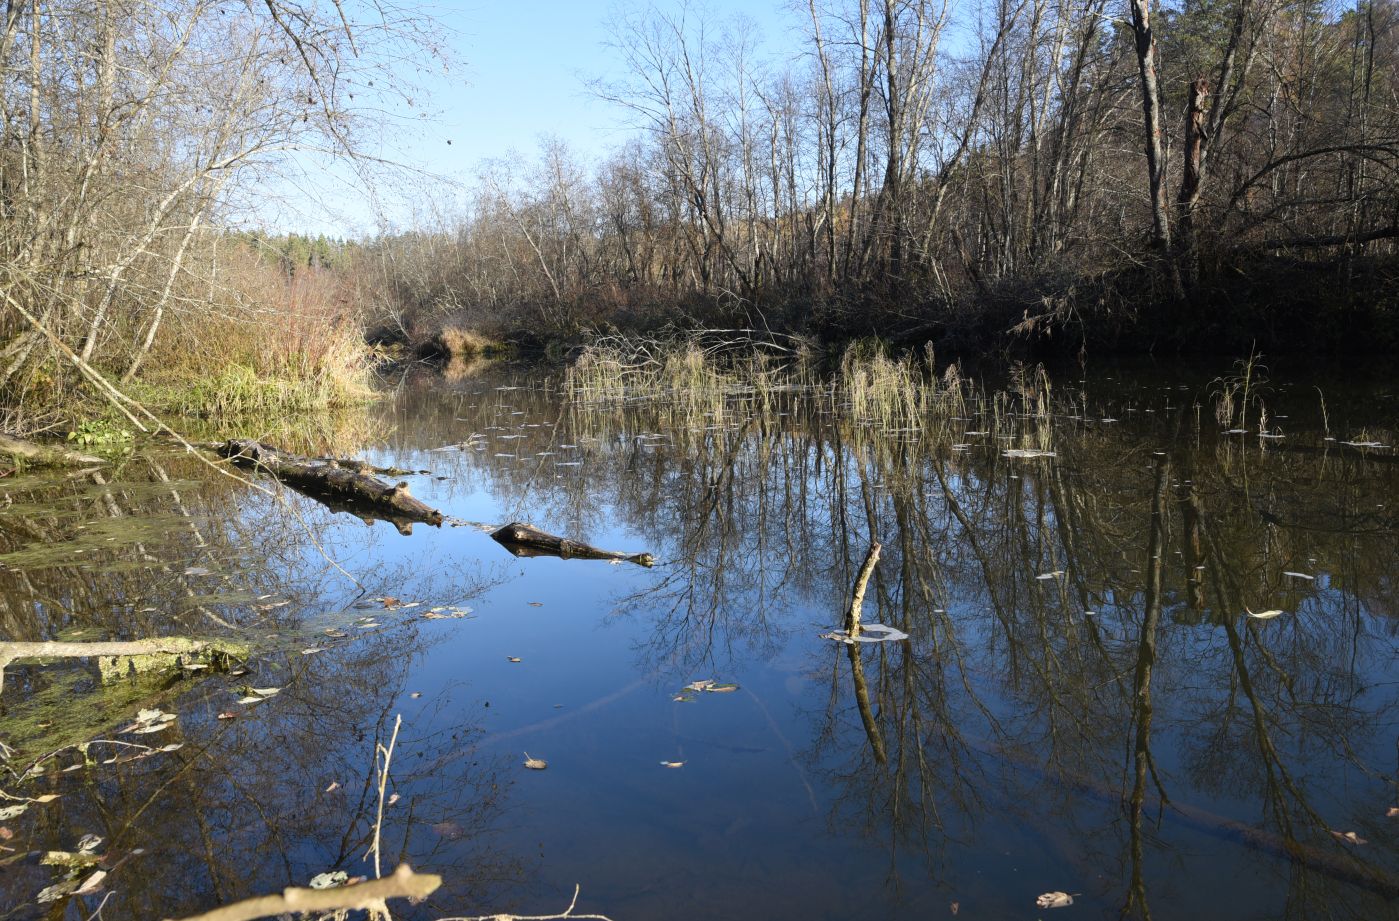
(1189,197)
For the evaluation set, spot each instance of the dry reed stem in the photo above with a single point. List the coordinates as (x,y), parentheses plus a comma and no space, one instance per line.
(387,755)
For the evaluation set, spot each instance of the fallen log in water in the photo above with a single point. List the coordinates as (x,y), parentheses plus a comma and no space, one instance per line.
(340,485)
(115,657)
(524,540)
(45,455)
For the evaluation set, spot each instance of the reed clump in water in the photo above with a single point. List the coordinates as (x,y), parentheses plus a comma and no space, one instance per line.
(898,394)
(701,370)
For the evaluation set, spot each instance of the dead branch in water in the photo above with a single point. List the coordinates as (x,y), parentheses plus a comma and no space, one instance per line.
(368,896)
(857,597)
(525,540)
(346,484)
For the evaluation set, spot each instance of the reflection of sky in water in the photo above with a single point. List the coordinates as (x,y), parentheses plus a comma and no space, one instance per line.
(1010,720)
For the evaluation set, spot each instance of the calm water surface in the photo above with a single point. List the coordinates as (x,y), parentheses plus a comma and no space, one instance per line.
(1083,705)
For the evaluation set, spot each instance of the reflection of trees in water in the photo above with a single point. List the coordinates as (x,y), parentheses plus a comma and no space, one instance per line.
(1010,700)
(243,807)
(1051,699)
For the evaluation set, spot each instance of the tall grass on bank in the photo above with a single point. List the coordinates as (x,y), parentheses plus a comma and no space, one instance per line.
(305,354)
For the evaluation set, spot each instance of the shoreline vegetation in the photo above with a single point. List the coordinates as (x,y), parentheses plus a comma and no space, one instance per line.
(1057,181)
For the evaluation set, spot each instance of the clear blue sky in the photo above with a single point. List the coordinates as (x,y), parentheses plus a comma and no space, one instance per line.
(522,72)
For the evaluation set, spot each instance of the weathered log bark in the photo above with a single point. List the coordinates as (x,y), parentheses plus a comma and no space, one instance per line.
(178,645)
(523,540)
(45,455)
(344,486)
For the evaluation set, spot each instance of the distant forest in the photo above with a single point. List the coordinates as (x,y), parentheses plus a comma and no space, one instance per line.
(1197,175)
(1048,164)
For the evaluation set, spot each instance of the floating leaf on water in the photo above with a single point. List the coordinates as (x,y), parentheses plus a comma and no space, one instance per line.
(721,688)
(1263,615)
(172,747)
(334,785)
(258,695)
(338,634)
(449,830)
(228,715)
(1300,575)
(1026,453)
(1349,837)
(535,764)
(57,891)
(1053,574)
(150,721)
(672,764)
(88,844)
(312,650)
(329,880)
(46,798)
(92,884)
(393,798)
(9,812)
(1054,900)
(536,604)
(700,685)
(197,571)
(513,658)
(1393,812)
(416,694)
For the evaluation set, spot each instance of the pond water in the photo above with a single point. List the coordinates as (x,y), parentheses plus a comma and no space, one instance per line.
(1084,703)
